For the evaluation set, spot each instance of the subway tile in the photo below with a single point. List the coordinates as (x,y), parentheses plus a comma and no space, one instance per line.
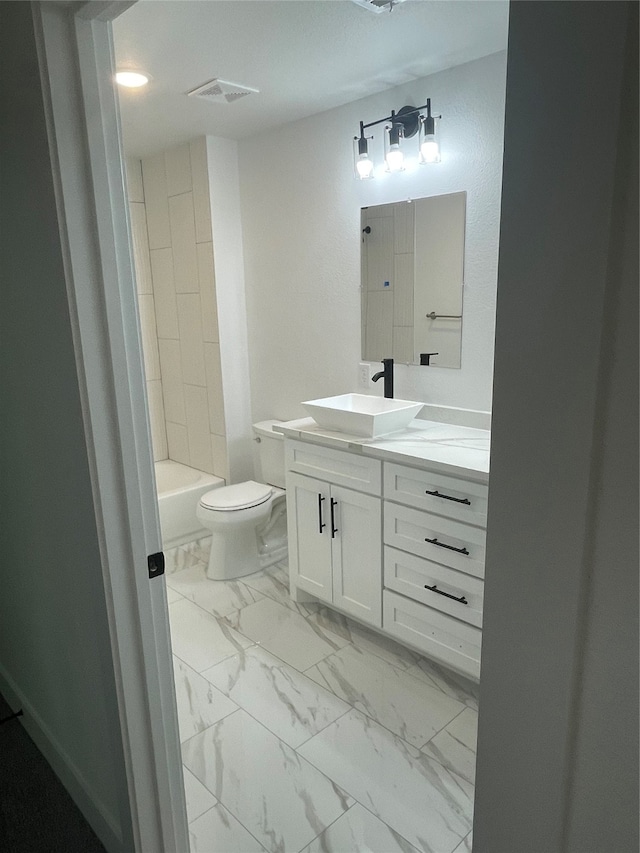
(156,417)
(149,337)
(177,162)
(172,384)
(200,180)
(140,241)
(164,293)
(190,327)
(178,443)
(195,399)
(214,388)
(154,180)
(206,279)
(133,172)
(183,242)
(220,457)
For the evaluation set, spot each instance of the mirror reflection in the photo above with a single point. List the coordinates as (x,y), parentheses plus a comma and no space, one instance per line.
(412,268)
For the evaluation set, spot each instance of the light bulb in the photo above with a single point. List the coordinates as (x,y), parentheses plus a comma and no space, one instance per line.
(395,158)
(364,166)
(430,150)
(131,79)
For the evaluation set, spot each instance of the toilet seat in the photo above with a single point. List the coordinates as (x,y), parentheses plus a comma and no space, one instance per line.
(237,497)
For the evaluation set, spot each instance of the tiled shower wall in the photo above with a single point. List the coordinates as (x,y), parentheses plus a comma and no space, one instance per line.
(180,248)
(146,307)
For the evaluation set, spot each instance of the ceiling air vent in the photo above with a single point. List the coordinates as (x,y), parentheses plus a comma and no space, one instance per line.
(219,91)
(377,6)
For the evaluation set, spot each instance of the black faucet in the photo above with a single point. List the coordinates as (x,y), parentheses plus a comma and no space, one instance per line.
(387,374)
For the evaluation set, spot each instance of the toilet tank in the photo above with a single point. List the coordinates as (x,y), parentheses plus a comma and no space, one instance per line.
(270,453)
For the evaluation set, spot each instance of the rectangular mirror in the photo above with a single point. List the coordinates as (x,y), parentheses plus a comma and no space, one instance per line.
(412,272)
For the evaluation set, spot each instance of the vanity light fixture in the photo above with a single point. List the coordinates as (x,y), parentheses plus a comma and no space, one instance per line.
(404,124)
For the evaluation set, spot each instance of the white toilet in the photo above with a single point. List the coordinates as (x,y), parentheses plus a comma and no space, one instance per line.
(248,520)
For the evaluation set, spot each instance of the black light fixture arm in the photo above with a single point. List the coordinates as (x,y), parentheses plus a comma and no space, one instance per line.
(408,117)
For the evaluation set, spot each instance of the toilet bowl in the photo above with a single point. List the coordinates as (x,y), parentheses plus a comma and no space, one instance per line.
(248,520)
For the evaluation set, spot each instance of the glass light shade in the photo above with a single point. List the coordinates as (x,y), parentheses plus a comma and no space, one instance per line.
(131,79)
(362,162)
(364,167)
(430,150)
(395,158)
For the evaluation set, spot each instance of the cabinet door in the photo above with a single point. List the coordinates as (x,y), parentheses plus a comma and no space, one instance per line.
(308,519)
(357,554)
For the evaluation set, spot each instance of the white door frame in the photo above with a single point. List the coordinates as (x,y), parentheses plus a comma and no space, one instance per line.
(83,126)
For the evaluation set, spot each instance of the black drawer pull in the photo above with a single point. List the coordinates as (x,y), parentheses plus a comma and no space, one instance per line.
(449,547)
(334,529)
(437,494)
(434,588)
(321,523)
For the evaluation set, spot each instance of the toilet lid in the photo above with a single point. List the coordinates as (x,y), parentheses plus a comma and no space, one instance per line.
(240,496)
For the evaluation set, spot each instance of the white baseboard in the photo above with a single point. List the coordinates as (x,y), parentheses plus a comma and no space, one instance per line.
(103,824)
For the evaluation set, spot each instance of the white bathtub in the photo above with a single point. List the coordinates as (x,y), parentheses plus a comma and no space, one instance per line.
(179,490)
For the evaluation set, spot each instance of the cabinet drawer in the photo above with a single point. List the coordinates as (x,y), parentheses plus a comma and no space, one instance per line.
(441,637)
(410,575)
(437,493)
(338,466)
(454,544)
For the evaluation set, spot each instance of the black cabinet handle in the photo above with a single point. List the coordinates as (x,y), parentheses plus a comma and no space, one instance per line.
(449,547)
(434,588)
(321,523)
(437,494)
(334,529)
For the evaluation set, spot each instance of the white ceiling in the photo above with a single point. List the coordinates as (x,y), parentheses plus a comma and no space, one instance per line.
(305,56)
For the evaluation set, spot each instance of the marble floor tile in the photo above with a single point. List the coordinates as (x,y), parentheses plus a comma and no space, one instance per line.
(455,745)
(199,639)
(429,806)
(408,707)
(279,797)
(220,598)
(465,845)
(274,583)
(284,633)
(172,595)
(454,685)
(217,831)
(199,800)
(364,638)
(358,831)
(181,557)
(200,704)
(277,695)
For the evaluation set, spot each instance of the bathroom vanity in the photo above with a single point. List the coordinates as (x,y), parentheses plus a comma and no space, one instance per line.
(391,531)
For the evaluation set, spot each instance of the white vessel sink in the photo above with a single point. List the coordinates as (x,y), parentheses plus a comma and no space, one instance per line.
(362,414)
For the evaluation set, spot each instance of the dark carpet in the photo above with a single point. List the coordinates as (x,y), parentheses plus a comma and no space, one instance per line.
(37,815)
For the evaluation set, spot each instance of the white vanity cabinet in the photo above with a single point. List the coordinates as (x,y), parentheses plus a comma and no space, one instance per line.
(434,551)
(398,545)
(334,519)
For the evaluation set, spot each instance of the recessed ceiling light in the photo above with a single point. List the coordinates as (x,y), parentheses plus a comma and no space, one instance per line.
(131,79)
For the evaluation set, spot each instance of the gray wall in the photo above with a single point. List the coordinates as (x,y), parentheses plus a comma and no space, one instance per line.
(55,657)
(558,733)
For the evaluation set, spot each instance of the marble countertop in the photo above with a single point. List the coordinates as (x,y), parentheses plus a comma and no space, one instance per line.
(449,448)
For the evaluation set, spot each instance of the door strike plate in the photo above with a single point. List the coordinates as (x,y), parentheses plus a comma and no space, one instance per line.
(155,562)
